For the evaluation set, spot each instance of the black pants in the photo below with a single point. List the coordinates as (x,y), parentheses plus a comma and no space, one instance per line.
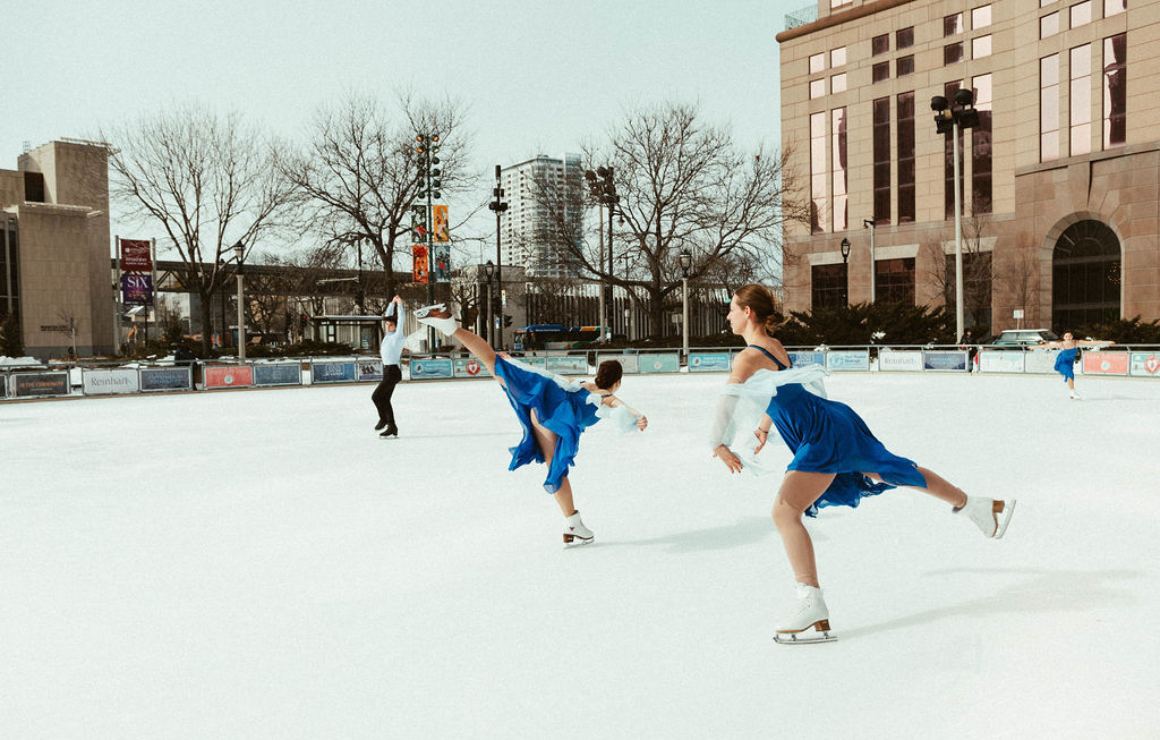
(382,395)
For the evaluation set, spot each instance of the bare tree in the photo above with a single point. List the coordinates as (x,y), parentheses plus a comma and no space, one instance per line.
(977,268)
(360,172)
(208,181)
(1020,278)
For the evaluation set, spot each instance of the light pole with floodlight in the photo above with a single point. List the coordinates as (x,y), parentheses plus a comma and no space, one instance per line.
(498,206)
(846,271)
(949,119)
(239,250)
(488,272)
(869,224)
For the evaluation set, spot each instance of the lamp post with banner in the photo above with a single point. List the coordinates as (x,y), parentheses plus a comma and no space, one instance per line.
(686,261)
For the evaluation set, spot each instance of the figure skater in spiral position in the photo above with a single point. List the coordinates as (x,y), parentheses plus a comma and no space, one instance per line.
(1065,361)
(837,460)
(552,410)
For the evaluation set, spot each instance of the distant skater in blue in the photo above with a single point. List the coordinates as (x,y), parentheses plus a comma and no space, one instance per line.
(553,411)
(1065,361)
(837,461)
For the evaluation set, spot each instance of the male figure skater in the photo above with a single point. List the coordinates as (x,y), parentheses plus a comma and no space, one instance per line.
(391,351)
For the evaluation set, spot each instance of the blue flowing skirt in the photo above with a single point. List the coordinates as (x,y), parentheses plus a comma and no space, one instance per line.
(1065,364)
(829,437)
(567,412)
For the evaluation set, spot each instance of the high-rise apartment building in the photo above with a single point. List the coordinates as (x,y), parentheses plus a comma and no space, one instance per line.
(545,210)
(1060,177)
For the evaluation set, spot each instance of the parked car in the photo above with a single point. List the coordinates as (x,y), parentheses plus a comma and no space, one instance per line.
(1024,337)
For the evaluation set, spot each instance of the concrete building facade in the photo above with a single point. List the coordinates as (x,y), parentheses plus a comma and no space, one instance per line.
(534,190)
(54,249)
(1060,178)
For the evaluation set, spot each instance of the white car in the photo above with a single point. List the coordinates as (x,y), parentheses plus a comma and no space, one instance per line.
(1024,337)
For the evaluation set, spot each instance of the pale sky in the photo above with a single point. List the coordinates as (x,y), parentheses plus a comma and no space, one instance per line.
(537,77)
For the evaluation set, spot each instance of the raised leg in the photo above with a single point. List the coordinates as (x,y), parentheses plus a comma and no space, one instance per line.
(477,346)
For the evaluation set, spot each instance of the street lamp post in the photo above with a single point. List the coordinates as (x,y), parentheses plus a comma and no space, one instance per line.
(686,260)
(499,206)
(239,249)
(868,224)
(603,188)
(488,271)
(846,270)
(950,119)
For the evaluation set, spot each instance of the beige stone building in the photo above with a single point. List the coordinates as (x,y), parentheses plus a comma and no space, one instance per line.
(54,249)
(1061,175)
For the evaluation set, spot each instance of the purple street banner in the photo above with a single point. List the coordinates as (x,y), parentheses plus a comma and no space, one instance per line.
(441,263)
(136,290)
(136,255)
(31,385)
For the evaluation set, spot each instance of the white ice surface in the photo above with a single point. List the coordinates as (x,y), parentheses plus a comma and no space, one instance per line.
(258,564)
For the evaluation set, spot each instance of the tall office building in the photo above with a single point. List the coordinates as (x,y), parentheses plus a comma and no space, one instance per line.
(1060,176)
(544,211)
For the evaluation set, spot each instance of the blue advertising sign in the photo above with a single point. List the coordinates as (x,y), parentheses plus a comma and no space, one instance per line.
(166,379)
(34,385)
(434,369)
(284,373)
(802,357)
(848,360)
(370,370)
(945,360)
(708,362)
(332,372)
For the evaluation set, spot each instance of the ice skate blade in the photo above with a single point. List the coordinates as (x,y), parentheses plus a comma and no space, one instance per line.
(1003,512)
(821,634)
(571,540)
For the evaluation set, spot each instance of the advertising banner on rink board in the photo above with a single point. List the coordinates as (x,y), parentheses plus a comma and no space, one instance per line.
(332,372)
(1146,364)
(1041,361)
(848,360)
(1105,363)
(469,367)
(945,360)
(992,361)
(900,361)
(435,369)
(660,363)
(166,379)
(708,362)
(629,363)
(370,370)
(567,365)
(105,382)
(36,385)
(800,358)
(533,361)
(229,376)
(282,373)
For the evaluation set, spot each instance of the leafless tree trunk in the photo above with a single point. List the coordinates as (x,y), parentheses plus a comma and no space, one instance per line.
(978,268)
(208,181)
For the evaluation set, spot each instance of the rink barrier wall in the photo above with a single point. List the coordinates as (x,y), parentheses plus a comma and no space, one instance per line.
(105,379)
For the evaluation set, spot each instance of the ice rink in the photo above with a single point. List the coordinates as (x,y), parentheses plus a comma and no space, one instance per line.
(259,564)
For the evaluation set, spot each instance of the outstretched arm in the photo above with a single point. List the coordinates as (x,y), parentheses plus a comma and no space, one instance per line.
(744,366)
(613,402)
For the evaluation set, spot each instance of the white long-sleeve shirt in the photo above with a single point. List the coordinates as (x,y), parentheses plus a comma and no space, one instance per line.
(392,347)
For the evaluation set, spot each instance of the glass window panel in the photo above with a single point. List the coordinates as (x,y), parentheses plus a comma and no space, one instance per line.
(881,114)
(953,53)
(981,47)
(817,88)
(817,63)
(906,168)
(1114,7)
(839,158)
(880,44)
(1115,90)
(981,147)
(1081,14)
(981,17)
(904,66)
(838,83)
(894,281)
(880,72)
(1048,25)
(1081,100)
(952,24)
(1045,3)
(838,57)
(817,171)
(1049,108)
(829,287)
(904,38)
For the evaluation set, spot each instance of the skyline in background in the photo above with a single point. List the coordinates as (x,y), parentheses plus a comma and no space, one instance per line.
(536,78)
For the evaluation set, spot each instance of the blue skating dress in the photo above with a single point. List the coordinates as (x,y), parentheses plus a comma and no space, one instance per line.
(1065,364)
(829,437)
(565,409)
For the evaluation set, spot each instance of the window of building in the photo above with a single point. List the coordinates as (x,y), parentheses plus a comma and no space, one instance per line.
(9,268)
(1115,90)
(953,53)
(1114,7)
(817,62)
(1081,14)
(817,88)
(880,44)
(904,66)
(1081,100)
(904,38)
(976,286)
(839,3)
(880,72)
(1048,25)
(981,17)
(894,281)
(906,169)
(981,47)
(828,287)
(952,24)
(881,135)
(817,171)
(1085,276)
(949,90)
(1045,3)
(1049,108)
(840,179)
(838,83)
(981,141)
(838,57)
(34,187)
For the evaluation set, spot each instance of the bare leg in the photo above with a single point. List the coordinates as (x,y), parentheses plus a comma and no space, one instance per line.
(477,346)
(546,439)
(799,490)
(1071,383)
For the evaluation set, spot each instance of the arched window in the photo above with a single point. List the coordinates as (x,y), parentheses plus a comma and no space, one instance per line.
(1085,276)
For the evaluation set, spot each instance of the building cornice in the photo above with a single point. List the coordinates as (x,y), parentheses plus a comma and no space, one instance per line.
(838,19)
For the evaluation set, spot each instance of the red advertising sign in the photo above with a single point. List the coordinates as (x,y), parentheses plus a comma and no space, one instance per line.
(420,268)
(1105,363)
(136,255)
(235,376)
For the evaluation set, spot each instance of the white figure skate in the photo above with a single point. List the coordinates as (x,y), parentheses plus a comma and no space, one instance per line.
(811,612)
(439,317)
(989,515)
(1076,396)
(575,533)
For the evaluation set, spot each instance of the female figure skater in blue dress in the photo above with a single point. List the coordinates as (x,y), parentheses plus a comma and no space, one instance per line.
(1065,361)
(837,460)
(552,410)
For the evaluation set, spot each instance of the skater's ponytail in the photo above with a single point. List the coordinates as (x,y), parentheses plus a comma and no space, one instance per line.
(608,374)
(760,300)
